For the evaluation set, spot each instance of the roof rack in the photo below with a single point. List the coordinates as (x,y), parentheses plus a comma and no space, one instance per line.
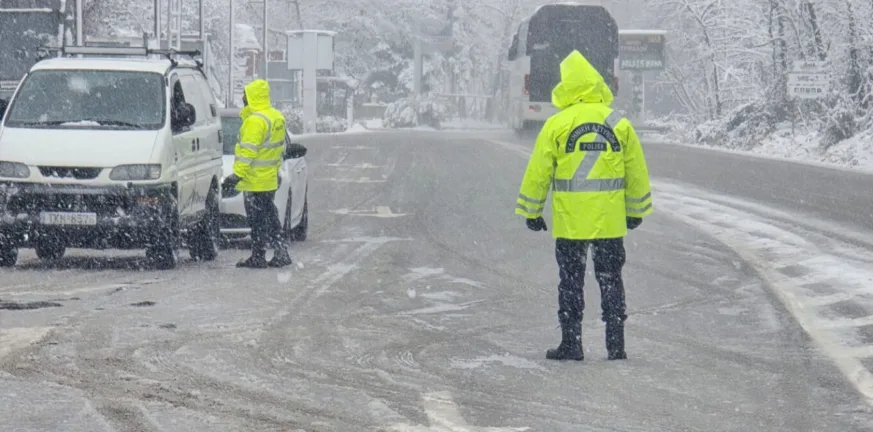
(109,50)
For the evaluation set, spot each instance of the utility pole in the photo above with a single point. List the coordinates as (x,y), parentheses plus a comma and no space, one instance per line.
(266,49)
(231,89)
(80,23)
(202,21)
(158,22)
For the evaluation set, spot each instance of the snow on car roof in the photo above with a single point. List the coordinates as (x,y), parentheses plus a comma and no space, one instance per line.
(117,64)
(229,112)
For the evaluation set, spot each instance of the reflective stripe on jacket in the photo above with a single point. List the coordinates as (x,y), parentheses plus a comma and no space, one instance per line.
(590,157)
(261,146)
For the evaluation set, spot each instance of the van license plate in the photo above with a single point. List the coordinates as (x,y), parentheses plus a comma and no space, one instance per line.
(57,218)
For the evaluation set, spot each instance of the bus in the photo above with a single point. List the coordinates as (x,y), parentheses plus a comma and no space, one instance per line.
(543,40)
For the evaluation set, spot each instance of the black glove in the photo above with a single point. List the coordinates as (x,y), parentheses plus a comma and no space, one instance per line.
(633,222)
(537,224)
(231,180)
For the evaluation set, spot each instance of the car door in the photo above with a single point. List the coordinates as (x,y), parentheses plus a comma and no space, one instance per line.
(184,157)
(204,137)
(295,170)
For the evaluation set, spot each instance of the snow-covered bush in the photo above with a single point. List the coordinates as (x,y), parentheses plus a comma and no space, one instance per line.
(412,111)
(330,124)
(742,128)
(293,119)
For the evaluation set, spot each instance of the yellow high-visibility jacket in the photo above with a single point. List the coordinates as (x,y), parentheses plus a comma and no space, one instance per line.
(591,158)
(261,146)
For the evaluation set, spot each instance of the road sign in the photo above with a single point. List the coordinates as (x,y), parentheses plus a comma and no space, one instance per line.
(809,66)
(640,50)
(808,79)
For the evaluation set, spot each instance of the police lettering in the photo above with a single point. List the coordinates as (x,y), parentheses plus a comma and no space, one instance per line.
(587,128)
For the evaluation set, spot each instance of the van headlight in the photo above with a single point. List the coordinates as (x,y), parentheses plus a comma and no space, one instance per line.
(14,170)
(136,172)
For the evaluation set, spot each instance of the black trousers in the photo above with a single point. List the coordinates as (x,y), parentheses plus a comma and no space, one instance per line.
(263,218)
(609,258)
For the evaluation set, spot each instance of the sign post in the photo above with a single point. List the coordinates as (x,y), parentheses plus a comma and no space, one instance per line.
(640,51)
(310,51)
(808,80)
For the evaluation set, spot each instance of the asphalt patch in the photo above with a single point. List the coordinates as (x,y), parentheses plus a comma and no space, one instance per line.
(143,304)
(11,305)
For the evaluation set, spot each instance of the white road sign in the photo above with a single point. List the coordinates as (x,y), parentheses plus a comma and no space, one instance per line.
(808,79)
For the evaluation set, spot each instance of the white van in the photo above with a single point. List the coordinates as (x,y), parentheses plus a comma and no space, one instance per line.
(99,152)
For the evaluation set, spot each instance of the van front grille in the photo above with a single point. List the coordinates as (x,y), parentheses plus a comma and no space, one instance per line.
(70,172)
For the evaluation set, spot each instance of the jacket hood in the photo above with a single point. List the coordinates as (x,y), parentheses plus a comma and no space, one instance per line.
(258,95)
(580,82)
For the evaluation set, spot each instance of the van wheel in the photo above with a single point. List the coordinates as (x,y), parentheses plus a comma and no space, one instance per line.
(204,239)
(299,232)
(163,252)
(48,250)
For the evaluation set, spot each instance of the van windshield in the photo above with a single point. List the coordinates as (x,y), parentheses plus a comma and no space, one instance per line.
(90,99)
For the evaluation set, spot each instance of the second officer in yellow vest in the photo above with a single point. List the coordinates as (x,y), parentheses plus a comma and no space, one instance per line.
(592,160)
(258,157)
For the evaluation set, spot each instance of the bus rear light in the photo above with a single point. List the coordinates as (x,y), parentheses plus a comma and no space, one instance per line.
(527,84)
(535,108)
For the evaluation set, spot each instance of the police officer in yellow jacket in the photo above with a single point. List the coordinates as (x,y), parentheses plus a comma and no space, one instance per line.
(593,161)
(258,157)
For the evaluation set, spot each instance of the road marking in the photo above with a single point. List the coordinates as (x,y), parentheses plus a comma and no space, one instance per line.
(359,180)
(444,416)
(333,274)
(379,212)
(13,339)
(360,166)
(767,248)
(360,147)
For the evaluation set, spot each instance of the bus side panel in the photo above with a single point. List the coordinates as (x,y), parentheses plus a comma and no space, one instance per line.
(517,98)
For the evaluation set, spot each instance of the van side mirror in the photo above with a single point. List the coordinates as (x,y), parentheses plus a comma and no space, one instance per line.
(183,115)
(3,104)
(294,151)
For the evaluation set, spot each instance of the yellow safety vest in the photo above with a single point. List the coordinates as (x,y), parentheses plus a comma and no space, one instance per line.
(261,147)
(590,157)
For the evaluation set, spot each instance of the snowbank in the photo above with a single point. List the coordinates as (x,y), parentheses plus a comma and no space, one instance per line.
(786,142)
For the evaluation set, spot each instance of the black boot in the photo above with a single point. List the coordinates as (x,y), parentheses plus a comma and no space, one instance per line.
(280,258)
(571,343)
(615,340)
(256,261)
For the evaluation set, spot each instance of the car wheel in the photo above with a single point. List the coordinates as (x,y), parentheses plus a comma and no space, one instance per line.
(204,238)
(299,232)
(163,252)
(49,250)
(8,254)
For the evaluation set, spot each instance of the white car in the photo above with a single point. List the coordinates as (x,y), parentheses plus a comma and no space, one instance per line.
(290,198)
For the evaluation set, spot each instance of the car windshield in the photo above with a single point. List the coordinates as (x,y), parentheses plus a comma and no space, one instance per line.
(65,99)
(230,128)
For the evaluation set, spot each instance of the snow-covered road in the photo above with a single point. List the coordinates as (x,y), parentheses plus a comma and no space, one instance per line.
(420,302)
